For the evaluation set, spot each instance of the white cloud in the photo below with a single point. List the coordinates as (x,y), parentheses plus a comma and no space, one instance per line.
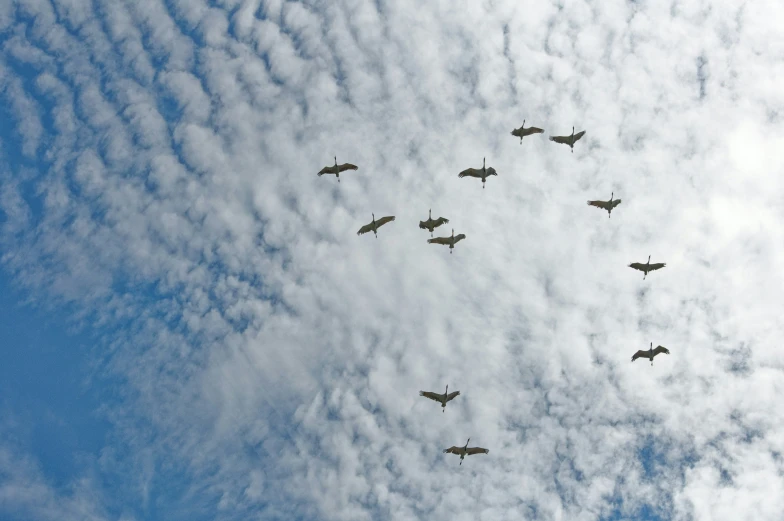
(271,359)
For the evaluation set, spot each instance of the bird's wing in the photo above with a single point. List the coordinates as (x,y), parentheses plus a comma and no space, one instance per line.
(459,237)
(452,450)
(365,229)
(491,171)
(325,170)
(471,172)
(451,396)
(637,266)
(440,240)
(534,130)
(440,221)
(560,139)
(476,450)
(384,220)
(433,396)
(639,354)
(423,225)
(579,135)
(661,349)
(657,266)
(518,132)
(616,203)
(599,204)
(347,166)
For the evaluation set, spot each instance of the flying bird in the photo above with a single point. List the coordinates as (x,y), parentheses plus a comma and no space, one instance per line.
(606,205)
(440,398)
(650,353)
(431,224)
(465,451)
(482,173)
(375,225)
(449,241)
(645,268)
(568,140)
(522,132)
(336,169)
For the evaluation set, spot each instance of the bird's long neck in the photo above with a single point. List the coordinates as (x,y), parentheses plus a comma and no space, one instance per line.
(649,260)
(447,390)
(336,160)
(483,164)
(374,217)
(466,445)
(429,216)
(611,196)
(572,131)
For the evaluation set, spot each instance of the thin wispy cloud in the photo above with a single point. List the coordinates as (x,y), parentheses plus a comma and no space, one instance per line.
(256,359)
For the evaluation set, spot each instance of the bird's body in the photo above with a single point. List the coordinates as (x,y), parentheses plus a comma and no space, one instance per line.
(568,140)
(482,173)
(448,241)
(375,225)
(465,451)
(645,268)
(522,131)
(440,398)
(650,353)
(431,224)
(336,169)
(606,205)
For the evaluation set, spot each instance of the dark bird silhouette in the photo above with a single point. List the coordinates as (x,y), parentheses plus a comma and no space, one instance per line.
(465,451)
(568,140)
(645,268)
(431,224)
(482,173)
(448,241)
(522,131)
(650,353)
(440,398)
(336,169)
(606,205)
(375,225)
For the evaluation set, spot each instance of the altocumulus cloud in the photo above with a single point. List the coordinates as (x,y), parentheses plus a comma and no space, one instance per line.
(261,361)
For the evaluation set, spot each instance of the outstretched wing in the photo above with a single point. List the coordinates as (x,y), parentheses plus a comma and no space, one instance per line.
(560,139)
(661,349)
(534,130)
(604,205)
(476,450)
(325,170)
(616,203)
(579,135)
(452,450)
(366,228)
(347,166)
(440,240)
(638,266)
(518,132)
(423,225)
(451,396)
(638,354)
(459,237)
(470,172)
(433,396)
(438,222)
(384,220)
(657,266)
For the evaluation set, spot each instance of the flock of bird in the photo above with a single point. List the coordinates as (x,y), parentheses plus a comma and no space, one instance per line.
(431,224)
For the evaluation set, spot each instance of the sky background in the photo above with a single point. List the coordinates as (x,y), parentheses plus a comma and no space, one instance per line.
(190,328)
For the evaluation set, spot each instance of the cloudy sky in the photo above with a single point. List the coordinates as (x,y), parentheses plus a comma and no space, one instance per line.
(190,328)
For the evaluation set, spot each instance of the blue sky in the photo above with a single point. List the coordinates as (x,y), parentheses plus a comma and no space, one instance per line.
(191,328)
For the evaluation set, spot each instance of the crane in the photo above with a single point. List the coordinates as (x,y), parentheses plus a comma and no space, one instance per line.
(431,224)
(568,140)
(482,173)
(522,131)
(375,225)
(606,205)
(441,398)
(645,268)
(650,353)
(449,241)
(465,451)
(336,169)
